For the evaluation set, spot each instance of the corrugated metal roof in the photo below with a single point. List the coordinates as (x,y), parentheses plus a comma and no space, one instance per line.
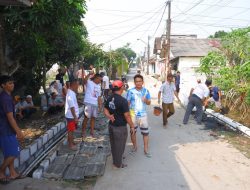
(15,2)
(192,47)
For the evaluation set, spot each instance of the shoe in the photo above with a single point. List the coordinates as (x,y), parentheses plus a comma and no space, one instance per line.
(147,154)
(133,151)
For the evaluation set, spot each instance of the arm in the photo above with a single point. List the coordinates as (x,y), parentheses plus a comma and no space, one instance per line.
(159,97)
(130,122)
(14,125)
(176,95)
(99,102)
(191,92)
(108,115)
(85,79)
(72,109)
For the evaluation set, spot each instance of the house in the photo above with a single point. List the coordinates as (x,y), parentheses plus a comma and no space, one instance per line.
(185,56)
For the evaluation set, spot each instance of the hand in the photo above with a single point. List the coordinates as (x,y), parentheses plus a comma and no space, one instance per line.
(132,130)
(159,101)
(111,118)
(99,109)
(144,99)
(20,136)
(76,120)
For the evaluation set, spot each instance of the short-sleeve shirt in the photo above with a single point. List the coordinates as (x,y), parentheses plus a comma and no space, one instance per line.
(106,80)
(55,101)
(70,102)
(117,105)
(137,106)
(6,106)
(167,89)
(201,90)
(93,91)
(26,104)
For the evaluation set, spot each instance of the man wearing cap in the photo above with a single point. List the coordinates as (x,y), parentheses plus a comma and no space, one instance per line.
(10,133)
(28,107)
(167,90)
(117,111)
(138,97)
(198,96)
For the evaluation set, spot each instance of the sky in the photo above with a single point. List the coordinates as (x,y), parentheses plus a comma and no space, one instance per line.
(115,23)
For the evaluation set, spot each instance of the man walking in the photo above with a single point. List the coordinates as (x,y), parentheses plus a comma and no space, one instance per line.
(177,81)
(138,97)
(10,133)
(198,96)
(167,90)
(92,101)
(117,111)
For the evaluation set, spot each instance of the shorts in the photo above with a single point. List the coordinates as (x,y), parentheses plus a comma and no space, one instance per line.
(90,111)
(71,124)
(141,122)
(217,103)
(10,146)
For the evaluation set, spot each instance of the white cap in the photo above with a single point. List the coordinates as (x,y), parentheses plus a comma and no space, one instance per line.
(29,96)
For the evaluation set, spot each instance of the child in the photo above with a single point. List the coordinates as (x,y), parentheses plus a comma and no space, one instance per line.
(71,112)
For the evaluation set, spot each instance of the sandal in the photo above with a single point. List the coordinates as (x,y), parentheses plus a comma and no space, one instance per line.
(4,181)
(20,176)
(147,154)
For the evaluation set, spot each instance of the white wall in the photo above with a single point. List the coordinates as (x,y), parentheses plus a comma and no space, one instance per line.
(187,66)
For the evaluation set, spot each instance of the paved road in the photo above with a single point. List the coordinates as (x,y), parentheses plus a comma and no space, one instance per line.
(184,157)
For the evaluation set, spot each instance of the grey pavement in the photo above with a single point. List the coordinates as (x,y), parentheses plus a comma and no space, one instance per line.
(175,151)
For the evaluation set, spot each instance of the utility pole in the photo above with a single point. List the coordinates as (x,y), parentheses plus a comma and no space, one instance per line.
(168,29)
(148,56)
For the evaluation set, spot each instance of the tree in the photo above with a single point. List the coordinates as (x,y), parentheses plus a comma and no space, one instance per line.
(48,32)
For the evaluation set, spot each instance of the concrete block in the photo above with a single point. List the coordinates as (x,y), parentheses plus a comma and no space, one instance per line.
(74,173)
(50,133)
(55,171)
(45,138)
(37,174)
(16,163)
(45,164)
(24,155)
(52,156)
(63,125)
(39,142)
(33,148)
(55,130)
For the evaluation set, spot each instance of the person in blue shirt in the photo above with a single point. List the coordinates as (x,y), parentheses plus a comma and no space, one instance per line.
(138,98)
(10,133)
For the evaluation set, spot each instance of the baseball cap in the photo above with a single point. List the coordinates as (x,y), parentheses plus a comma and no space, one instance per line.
(117,84)
(29,96)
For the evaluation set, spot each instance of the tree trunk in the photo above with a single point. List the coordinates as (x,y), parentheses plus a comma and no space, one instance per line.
(2,45)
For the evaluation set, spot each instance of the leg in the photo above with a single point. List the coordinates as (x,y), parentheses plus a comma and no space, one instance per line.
(145,142)
(92,125)
(71,139)
(84,125)
(189,109)
(13,173)
(199,110)
(164,113)
(171,110)
(120,137)
(133,137)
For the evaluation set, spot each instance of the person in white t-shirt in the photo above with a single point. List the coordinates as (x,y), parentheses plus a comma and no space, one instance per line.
(72,112)
(198,96)
(167,90)
(92,101)
(105,85)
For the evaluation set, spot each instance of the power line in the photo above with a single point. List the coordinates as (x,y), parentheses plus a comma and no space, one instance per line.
(160,19)
(127,31)
(126,20)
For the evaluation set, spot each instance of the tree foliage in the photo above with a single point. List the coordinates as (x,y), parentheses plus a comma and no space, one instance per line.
(230,68)
(49,32)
